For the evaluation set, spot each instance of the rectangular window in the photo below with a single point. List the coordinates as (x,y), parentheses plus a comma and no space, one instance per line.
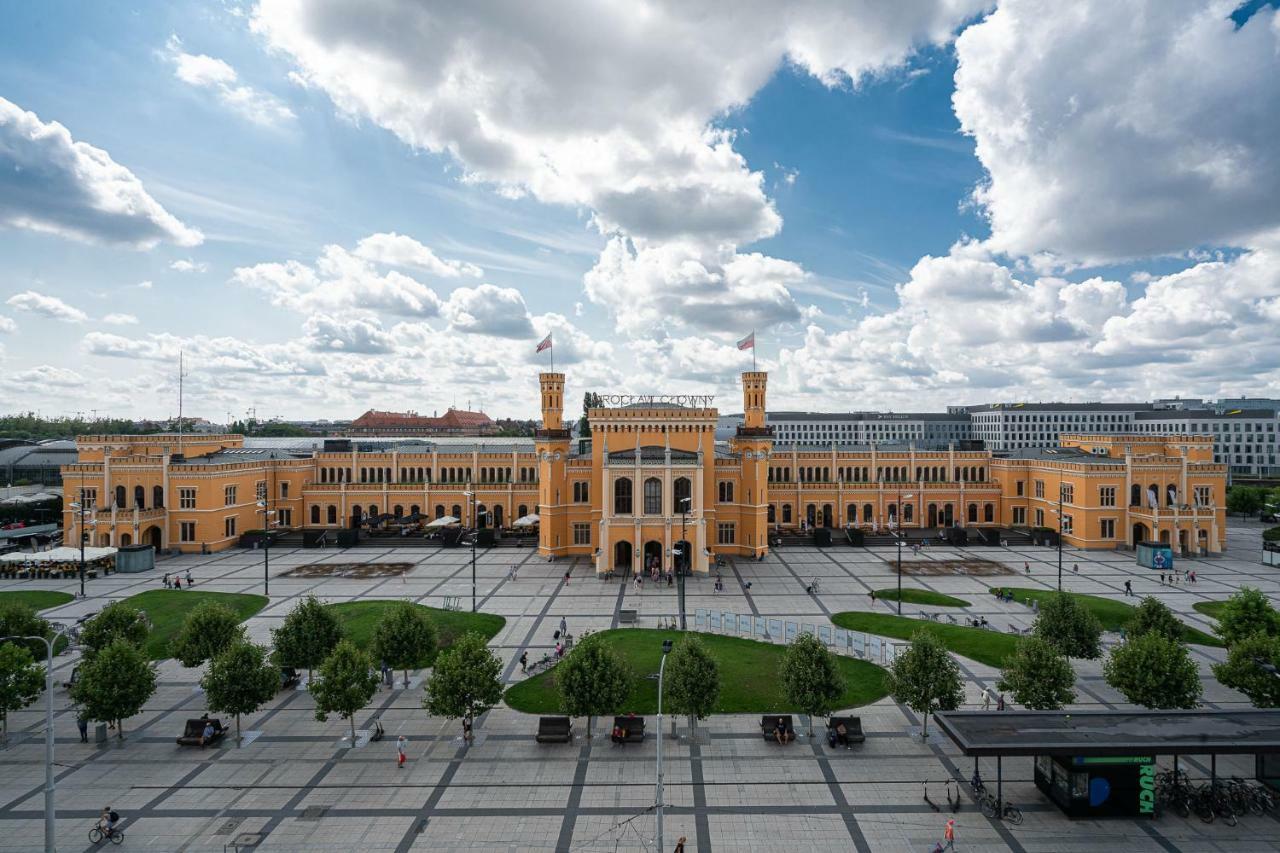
(1039,488)
(1066,524)
(186,531)
(229,496)
(284,491)
(89,498)
(186,498)
(1107,496)
(582,533)
(1203,495)
(725,533)
(229,527)
(1021,488)
(1020,516)
(1039,518)
(260,490)
(1068,493)
(1107,527)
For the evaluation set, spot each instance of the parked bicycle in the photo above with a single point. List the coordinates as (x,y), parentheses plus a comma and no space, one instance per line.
(990,806)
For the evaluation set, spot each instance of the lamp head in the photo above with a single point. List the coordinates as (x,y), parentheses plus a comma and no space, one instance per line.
(666,647)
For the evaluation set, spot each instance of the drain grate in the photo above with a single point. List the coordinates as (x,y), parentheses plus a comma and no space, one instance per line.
(313,812)
(228,826)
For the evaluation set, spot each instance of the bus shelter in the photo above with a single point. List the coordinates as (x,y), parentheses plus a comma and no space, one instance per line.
(1103,763)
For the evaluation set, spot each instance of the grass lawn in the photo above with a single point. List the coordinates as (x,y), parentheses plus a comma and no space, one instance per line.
(360,619)
(921,596)
(1113,615)
(40,599)
(1212,609)
(167,609)
(749,680)
(981,644)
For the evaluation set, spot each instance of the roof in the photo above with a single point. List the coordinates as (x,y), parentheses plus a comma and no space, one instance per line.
(51,454)
(1101,733)
(1015,408)
(243,454)
(452,419)
(1205,414)
(385,444)
(29,530)
(1057,454)
(895,417)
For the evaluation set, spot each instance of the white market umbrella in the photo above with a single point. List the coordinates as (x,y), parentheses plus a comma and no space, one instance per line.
(526,521)
(443,521)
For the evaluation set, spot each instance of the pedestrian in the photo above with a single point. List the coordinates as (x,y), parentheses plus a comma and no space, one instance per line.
(986,698)
(467,735)
(564,626)
(1128,588)
(524,662)
(949,834)
(679,846)
(166,580)
(1026,567)
(566,578)
(82,723)
(872,593)
(402,743)
(177,582)
(1000,702)
(1075,567)
(190,582)
(1162,579)
(1193,577)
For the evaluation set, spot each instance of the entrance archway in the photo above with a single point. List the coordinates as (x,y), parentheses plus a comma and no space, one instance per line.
(357,515)
(125,540)
(811,514)
(622,557)
(1139,534)
(933,515)
(684,559)
(482,517)
(152,537)
(1164,536)
(497,515)
(1183,541)
(652,555)
(826,515)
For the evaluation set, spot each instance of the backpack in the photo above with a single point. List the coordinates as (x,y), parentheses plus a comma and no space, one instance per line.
(114,816)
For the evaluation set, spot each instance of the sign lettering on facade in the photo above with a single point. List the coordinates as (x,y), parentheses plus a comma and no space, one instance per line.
(697,401)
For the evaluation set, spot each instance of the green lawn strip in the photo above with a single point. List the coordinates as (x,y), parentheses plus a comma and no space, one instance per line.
(1212,609)
(921,596)
(360,619)
(749,682)
(1114,615)
(168,608)
(40,599)
(981,644)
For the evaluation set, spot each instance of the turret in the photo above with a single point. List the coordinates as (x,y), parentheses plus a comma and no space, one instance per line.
(552,400)
(754,385)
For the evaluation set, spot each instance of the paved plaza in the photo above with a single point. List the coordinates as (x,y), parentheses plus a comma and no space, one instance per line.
(298,786)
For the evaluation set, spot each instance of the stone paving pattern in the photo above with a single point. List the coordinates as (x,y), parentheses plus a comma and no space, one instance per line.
(300,787)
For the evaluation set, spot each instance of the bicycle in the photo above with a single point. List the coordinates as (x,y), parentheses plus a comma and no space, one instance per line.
(1010,812)
(97,835)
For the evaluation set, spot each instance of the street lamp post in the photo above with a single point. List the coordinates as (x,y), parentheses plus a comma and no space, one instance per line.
(666,649)
(475,535)
(79,506)
(50,809)
(901,498)
(684,547)
(266,546)
(1058,513)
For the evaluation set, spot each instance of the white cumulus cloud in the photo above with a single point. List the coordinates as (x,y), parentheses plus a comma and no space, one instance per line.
(120,320)
(489,310)
(215,75)
(47,306)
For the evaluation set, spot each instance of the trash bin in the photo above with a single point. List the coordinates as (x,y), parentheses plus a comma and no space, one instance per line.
(100,733)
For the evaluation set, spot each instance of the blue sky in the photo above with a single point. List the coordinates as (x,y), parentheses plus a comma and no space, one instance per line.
(647,192)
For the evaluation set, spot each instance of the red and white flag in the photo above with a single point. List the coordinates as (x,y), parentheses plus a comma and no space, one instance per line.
(546,344)
(749,342)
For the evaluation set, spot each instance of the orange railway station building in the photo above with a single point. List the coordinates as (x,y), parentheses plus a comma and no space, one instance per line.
(649,483)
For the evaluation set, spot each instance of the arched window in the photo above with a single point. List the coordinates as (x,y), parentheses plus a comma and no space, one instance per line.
(868,513)
(826,475)
(398,512)
(989,513)
(851,514)
(439,511)
(157,497)
(622,496)
(413,510)
(373,510)
(682,491)
(457,511)
(333,514)
(1135,495)
(523,511)
(324,475)
(139,497)
(726,492)
(908,513)
(772,513)
(973,513)
(653,496)
(315,514)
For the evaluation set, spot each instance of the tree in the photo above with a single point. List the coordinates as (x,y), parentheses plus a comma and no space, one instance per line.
(308,635)
(346,684)
(810,678)
(240,679)
(1154,671)
(405,638)
(1247,613)
(466,680)
(115,683)
(209,629)
(593,681)
(20,620)
(1152,615)
(693,680)
(21,681)
(1251,667)
(1065,623)
(116,621)
(925,678)
(1038,675)
(1245,500)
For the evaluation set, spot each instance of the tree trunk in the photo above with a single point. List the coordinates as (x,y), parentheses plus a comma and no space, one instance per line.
(924,731)
(352,720)
(588,727)
(406,679)
(120,729)
(237,728)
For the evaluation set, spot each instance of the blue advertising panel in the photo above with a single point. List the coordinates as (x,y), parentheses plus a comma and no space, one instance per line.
(824,634)
(714,620)
(700,619)
(792,630)
(775,629)
(762,626)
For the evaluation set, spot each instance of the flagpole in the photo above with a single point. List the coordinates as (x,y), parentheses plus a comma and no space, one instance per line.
(552,348)
(753,350)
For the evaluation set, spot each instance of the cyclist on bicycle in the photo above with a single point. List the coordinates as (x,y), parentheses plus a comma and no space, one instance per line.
(108,821)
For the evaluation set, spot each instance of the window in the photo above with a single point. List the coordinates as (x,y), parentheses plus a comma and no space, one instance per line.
(315,515)
(89,498)
(229,496)
(725,533)
(786,513)
(186,531)
(1039,518)
(1107,496)
(622,496)
(726,492)
(186,498)
(580,492)
(1039,488)
(653,496)
(1203,495)
(1068,493)
(1020,516)
(284,518)
(1066,524)
(1107,527)
(582,533)
(681,490)
(260,490)
(284,491)
(229,527)
(331,515)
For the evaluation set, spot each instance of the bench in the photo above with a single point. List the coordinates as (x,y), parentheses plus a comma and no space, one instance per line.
(632,727)
(628,617)
(852,731)
(769,725)
(193,734)
(555,730)
(289,677)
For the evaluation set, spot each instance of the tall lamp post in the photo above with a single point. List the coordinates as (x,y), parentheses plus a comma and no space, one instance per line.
(475,535)
(79,507)
(266,545)
(1058,513)
(682,551)
(50,809)
(901,498)
(666,649)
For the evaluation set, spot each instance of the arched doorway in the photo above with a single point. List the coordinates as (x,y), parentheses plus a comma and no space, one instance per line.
(152,537)
(826,515)
(933,515)
(682,556)
(811,514)
(497,515)
(1164,536)
(948,515)
(622,557)
(1139,534)
(125,540)
(1183,541)
(482,517)
(357,515)
(652,555)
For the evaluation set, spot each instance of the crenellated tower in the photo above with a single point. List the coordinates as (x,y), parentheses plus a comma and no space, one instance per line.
(552,445)
(754,443)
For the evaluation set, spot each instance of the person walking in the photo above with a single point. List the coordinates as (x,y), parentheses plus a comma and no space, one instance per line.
(177,582)
(402,744)
(949,835)
(190,582)
(1075,567)
(986,698)
(82,723)
(166,580)
(1000,702)
(1026,567)
(564,626)
(679,846)
(566,578)
(1128,588)
(524,662)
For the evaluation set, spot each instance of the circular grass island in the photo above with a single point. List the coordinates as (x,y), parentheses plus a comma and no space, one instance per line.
(913,595)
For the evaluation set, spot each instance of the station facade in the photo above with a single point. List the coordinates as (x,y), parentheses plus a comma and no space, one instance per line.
(647,483)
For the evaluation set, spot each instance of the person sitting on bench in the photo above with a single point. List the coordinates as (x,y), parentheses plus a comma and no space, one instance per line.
(839,735)
(780,731)
(619,734)
(208,733)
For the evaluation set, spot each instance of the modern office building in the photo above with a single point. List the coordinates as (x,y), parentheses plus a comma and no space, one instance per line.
(650,482)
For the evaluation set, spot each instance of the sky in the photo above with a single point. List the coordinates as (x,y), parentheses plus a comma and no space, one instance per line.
(329,205)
